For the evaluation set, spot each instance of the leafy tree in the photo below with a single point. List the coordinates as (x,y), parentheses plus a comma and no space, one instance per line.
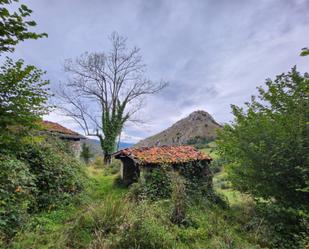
(23,95)
(304,52)
(14,26)
(86,153)
(268,143)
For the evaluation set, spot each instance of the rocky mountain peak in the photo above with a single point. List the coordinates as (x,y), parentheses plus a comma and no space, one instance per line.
(199,124)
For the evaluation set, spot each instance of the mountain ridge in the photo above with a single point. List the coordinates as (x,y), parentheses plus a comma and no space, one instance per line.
(197,125)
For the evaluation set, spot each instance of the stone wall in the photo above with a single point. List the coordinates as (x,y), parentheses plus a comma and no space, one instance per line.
(76,146)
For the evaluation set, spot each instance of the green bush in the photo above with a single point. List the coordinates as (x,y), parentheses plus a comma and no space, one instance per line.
(137,192)
(198,177)
(200,142)
(217,164)
(219,199)
(156,183)
(16,194)
(283,228)
(58,175)
(267,144)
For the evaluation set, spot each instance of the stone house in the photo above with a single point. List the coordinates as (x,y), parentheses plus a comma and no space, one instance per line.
(73,138)
(134,160)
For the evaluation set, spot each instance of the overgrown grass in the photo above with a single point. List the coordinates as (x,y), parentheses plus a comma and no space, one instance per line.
(52,229)
(103,218)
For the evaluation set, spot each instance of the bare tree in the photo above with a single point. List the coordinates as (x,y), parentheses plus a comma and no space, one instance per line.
(105,90)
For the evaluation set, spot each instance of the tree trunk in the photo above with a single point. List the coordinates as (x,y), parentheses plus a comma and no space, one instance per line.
(107,159)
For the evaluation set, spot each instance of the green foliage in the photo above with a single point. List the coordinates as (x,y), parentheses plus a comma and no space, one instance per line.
(200,142)
(267,153)
(14,26)
(148,225)
(141,228)
(86,153)
(284,228)
(17,189)
(101,219)
(108,220)
(39,175)
(179,199)
(23,97)
(136,192)
(198,177)
(156,183)
(58,175)
(98,162)
(108,169)
(217,165)
(267,146)
(153,184)
(304,52)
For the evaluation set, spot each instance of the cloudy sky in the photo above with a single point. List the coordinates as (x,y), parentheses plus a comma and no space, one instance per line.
(213,53)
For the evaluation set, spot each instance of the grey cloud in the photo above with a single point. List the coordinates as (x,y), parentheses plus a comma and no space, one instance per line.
(213,53)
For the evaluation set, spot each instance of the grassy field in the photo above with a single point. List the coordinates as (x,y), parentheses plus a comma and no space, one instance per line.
(102,217)
(50,230)
(211,150)
(77,225)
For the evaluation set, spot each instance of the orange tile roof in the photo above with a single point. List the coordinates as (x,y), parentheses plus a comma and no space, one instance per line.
(55,127)
(163,154)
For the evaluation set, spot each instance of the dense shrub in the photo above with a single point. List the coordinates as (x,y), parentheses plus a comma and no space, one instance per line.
(145,233)
(16,194)
(217,164)
(157,183)
(86,153)
(117,224)
(179,199)
(267,149)
(282,228)
(137,192)
(267,144)
(35,174)
(200,142)
(58,175)
(153,184)
(198,177)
